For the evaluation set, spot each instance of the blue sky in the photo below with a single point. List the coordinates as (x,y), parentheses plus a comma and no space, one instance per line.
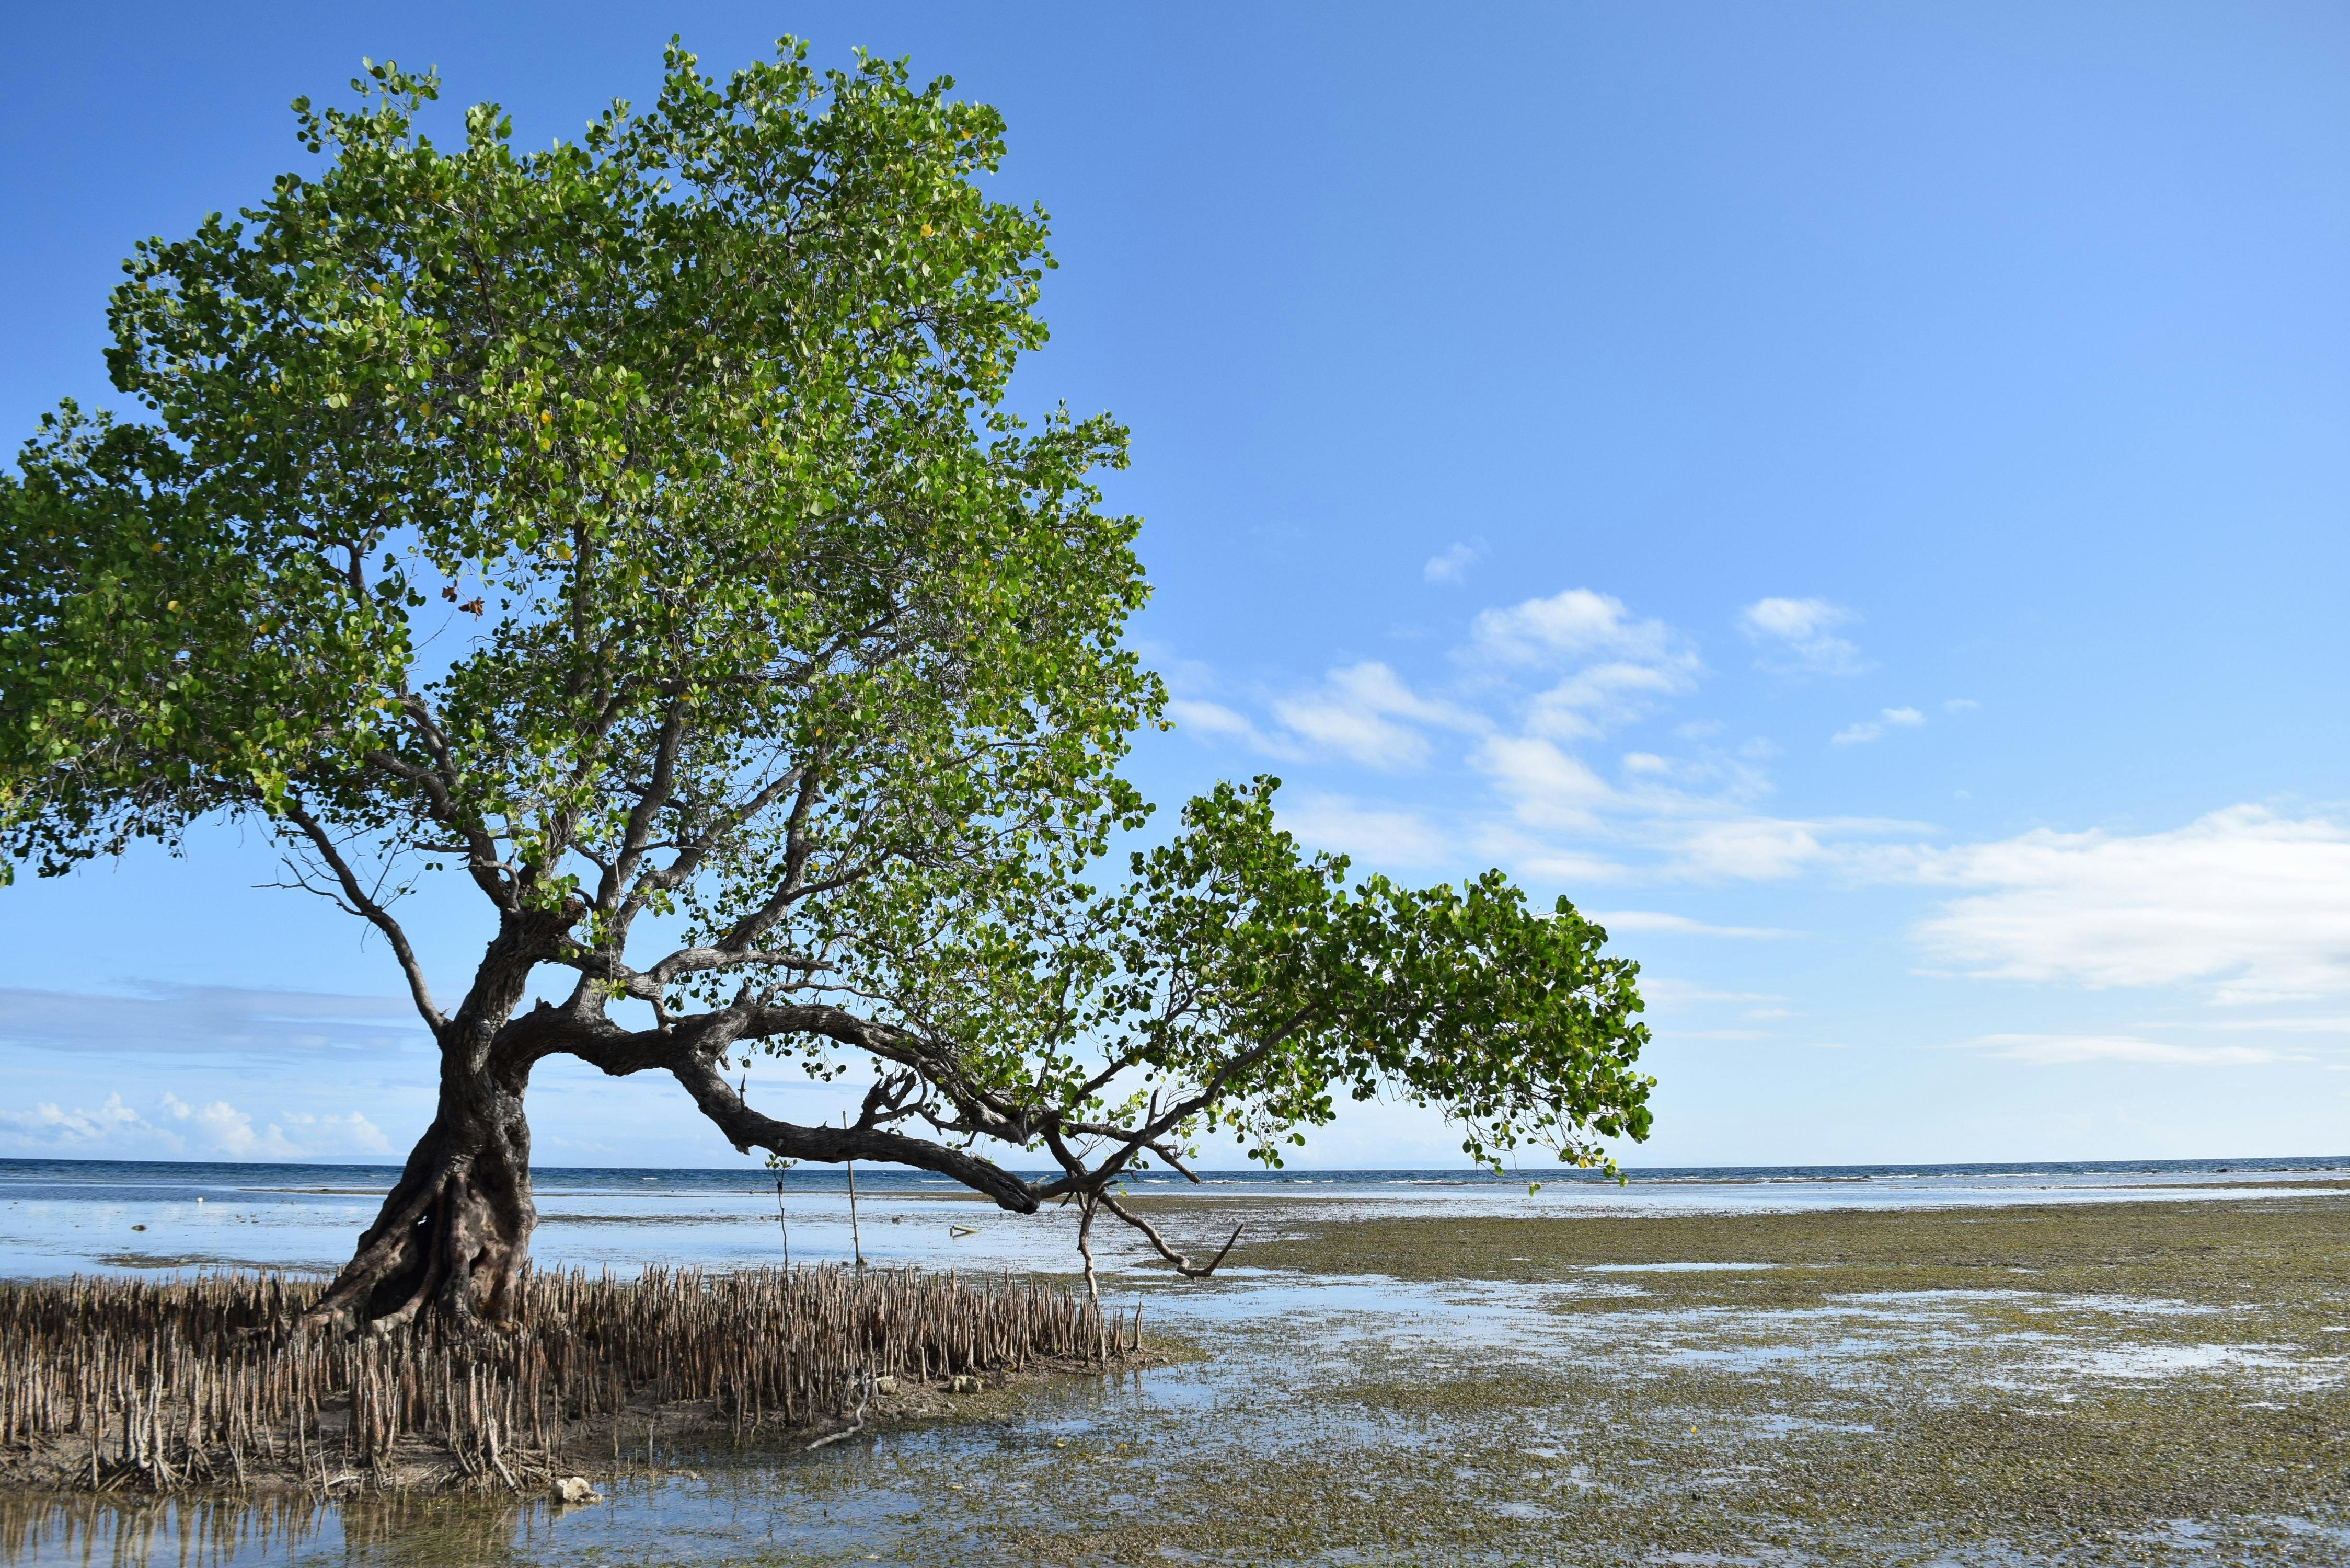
(1854,495)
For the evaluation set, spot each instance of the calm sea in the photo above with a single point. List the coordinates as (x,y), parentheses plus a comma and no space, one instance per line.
(60,1217)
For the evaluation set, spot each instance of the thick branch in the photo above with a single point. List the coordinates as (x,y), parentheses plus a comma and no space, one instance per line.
(689,1052)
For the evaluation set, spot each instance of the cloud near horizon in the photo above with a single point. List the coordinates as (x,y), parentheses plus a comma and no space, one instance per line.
(214,1129)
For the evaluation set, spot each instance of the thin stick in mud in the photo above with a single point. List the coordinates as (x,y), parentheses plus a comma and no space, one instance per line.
(856,1237)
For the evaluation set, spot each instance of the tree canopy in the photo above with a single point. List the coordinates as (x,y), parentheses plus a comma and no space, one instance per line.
(637,529)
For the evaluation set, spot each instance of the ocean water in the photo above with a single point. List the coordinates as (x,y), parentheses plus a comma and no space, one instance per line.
(62,1217)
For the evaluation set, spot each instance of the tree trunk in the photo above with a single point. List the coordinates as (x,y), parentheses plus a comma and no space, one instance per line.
(454,1232)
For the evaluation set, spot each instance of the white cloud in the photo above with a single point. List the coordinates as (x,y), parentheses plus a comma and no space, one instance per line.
(1748,849)
(1367,714)
(1385,838)
(1615,666)
(1540,678)
(1870,729)
(1545,785)
(1662,992)
(2060,1050)
(1653,922)
(1569,625)
(1586,704)
(1206,718)
(224,1129)
(49,1124)
(216,1128)
(1960,705)
(1452,565)
(2245,902)
(1798,634)
(350,1131)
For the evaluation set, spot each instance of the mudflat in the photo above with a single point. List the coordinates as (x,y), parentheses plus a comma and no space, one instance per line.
(2119,1382)
(2165,1382)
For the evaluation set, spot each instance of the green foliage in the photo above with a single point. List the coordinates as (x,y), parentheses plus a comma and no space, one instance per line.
(636,525)
(1236,973)
(696,413)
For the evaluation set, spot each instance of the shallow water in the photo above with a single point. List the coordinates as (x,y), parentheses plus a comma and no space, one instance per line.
(60,1217)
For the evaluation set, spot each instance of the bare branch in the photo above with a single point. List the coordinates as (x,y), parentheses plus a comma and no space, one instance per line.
(373,912)
(1182,1261)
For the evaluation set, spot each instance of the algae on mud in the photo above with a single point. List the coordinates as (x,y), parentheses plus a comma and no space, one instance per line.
(2160,1381)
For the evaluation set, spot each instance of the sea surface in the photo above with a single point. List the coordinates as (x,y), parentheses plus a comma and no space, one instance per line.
(64,1217)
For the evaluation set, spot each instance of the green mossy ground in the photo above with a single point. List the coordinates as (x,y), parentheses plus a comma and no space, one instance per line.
(2159,1381)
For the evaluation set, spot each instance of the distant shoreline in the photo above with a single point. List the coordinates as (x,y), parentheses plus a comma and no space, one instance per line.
(1720,1175)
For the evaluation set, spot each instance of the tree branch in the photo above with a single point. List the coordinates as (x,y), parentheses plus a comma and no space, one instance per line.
(689,1052)
(1182,1261)
(374,913)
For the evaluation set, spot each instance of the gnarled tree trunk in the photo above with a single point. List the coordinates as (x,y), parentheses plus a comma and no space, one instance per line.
(454,1232)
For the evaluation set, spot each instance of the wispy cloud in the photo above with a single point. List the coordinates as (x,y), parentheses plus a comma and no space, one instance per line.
(1376,835)
(1606,665)
(1211,721)
(1367,714)
(1870,729)
(1651,921)
(50,1124)
(1664,992)
(1535,683)
(2061,1049)
(1573,624)
(1545,785)
(2248,904)
(1451,565)
(157,1017)
(1800,634)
